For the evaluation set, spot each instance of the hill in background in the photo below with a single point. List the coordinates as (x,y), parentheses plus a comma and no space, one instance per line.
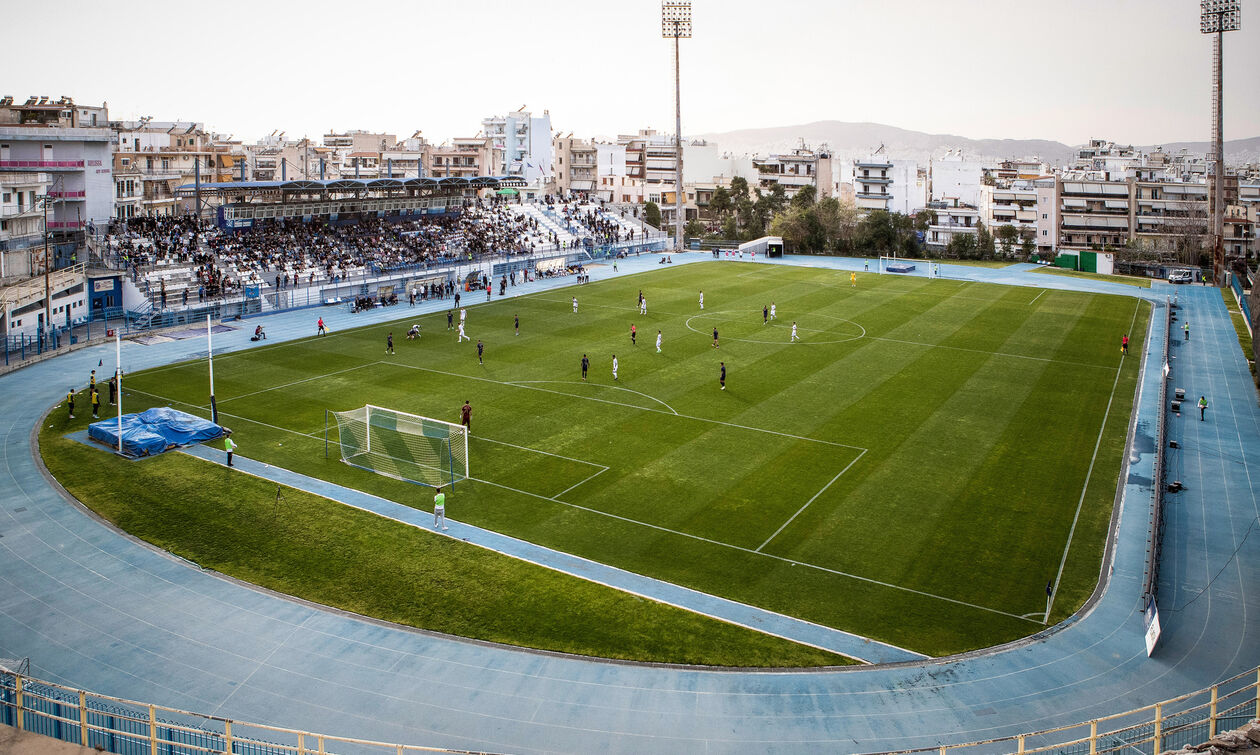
(851,140)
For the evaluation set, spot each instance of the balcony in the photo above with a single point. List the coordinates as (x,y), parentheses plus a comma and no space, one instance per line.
(46,164)
(65,225)
(67,194)
(14,211)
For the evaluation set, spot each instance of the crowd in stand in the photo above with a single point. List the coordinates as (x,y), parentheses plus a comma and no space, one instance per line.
(201,258)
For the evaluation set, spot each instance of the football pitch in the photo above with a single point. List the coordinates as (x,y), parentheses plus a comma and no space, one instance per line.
(916,469)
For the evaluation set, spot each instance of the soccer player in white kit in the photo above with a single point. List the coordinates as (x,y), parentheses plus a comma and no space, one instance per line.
(461,334)
(614,366)
(701,300)
(463,315)
(658,342)
(575,305)
(771,310)
(794,336)
(643,305)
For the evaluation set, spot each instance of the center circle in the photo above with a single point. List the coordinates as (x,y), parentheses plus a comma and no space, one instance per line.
(858,330)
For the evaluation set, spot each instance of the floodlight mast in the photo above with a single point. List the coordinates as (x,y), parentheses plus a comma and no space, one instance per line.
(1217,17)
(676,23)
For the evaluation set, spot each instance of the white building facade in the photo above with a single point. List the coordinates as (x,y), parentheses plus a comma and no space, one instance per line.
(525,140)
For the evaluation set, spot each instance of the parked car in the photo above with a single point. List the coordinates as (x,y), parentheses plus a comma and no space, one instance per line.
(1181,276)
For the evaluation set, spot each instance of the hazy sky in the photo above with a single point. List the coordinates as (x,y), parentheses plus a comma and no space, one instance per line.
(1130,70)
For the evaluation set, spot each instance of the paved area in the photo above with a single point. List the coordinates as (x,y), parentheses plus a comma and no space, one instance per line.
(93,608)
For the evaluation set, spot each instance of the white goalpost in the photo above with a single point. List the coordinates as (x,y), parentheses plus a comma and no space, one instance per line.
(907,265)
(404,446)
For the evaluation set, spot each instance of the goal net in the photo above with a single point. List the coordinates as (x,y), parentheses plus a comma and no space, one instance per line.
(403,446)
(908,265)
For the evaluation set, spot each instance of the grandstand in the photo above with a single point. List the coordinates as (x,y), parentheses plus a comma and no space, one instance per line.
(273,236)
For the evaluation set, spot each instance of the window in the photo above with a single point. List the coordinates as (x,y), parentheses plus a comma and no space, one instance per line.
(1044,216)
(1045,233)
(7,198)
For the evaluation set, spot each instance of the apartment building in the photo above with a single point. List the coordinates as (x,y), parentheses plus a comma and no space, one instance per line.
(1013,204)
(1145,209)
(276,158)
(55,152)
(407,158)
(576,165)
(802,167)
(953,177)
(467,157)
(525,145)
(952,219)
(168,154)
(880,183)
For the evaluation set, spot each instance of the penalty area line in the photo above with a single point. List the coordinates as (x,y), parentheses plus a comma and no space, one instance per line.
(821,490)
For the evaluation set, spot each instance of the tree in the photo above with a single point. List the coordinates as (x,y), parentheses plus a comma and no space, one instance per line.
(984,242)
(730,230)
(792,227)
(694,228)
(923,219)
(804,198)
(1007,236)
(875,234)
(963,246)
(776,201)
(652,214)
(720,203)
(1028,245)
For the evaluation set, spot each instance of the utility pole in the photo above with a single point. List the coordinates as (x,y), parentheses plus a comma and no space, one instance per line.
(676,23)
(1217,17)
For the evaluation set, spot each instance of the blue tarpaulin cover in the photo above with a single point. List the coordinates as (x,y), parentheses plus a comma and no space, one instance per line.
(154,431)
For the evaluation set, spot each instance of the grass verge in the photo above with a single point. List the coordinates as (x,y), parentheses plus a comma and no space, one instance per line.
(331,554)
(1128,280)
(1240,327)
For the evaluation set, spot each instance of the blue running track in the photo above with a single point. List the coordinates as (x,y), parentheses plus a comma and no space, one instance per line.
(93,608)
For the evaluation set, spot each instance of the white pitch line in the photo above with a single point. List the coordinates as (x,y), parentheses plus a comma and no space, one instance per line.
(1038,296)
(628,406)
(990,353)
(536,451)
(782,559)
(811,500)
(615,387)
(297,382)
(588,479)
(689,536)
(1054,591)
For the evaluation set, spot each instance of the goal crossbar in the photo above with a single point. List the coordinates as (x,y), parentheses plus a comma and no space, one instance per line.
(401,445)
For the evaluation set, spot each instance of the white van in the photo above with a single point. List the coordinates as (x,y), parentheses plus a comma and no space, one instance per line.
(1181,276)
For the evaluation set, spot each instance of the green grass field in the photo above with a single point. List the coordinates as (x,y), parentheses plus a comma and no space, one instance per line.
(914,470)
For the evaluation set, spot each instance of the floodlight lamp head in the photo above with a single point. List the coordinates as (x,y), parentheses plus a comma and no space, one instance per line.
(1219,15)
(676,20)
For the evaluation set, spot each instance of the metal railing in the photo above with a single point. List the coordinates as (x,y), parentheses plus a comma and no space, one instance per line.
(41,163)
(1192,718)
(115,724)
(1155,531)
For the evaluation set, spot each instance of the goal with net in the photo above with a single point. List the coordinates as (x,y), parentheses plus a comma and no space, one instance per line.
(401,445)
(904,266)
